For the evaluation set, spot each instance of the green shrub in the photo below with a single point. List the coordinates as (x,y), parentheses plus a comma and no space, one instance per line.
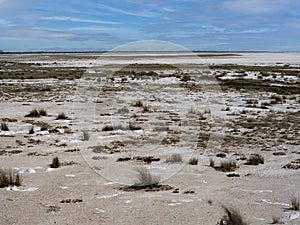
(55,162)
(232,217)
(255,159)
(61,116)
(193,161)
(9,177)
(174,158)
(4,127)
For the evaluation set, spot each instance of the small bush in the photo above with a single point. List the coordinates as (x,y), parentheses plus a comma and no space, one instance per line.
(232,217)
(145,178)
(9,177)
(193,161)
(61,116)
(43,112)
(86,135)
(55,162)
(255,160)
(4,127)
(295,203)
(31,130)
(33,113)
(174,158)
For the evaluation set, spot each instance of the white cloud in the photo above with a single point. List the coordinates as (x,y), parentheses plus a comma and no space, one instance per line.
(72,19)
(142,13)
(256,6)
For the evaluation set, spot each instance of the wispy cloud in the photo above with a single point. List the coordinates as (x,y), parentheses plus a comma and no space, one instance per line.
(141,13)
(256,6)
(79,20)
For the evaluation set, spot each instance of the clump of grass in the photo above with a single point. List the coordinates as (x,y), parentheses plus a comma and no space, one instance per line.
(86,135)
(61,116)
(43,112)
(44,127)
(193,161)
(211,163)
(4,127)
(145,178)
(276,220)
(227,166)
(232,217)
(31,130)
(174,158)
(33,113)
(138,103)
(255,159)
(9,177)
(121,127)
(295,203)
(55,162)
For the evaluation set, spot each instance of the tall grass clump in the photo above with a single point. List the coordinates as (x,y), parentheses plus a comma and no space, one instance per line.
(232,217)
(295,203)
(227,166)
(9,177)
(4,127)
(43,112)
(33,113)
(174,158)
(55,162)
(61,116)
(255,160)
(193,161)
(145,178)
(86,135)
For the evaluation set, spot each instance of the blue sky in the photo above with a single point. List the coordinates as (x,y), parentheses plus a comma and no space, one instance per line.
(76,25)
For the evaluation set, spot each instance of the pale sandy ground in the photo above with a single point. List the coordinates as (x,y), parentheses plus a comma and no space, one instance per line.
(260,192)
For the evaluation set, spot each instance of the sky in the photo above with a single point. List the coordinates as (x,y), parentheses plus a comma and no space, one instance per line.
(204,25)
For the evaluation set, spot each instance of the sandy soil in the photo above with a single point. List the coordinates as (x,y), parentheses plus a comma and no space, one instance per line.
(156,111)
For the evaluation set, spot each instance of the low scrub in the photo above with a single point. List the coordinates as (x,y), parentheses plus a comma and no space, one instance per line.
(9,177)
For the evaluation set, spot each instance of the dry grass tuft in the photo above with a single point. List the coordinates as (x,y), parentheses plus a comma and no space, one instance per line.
(9,177)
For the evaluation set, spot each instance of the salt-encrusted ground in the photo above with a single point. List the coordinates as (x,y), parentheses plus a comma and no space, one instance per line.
(181,109)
